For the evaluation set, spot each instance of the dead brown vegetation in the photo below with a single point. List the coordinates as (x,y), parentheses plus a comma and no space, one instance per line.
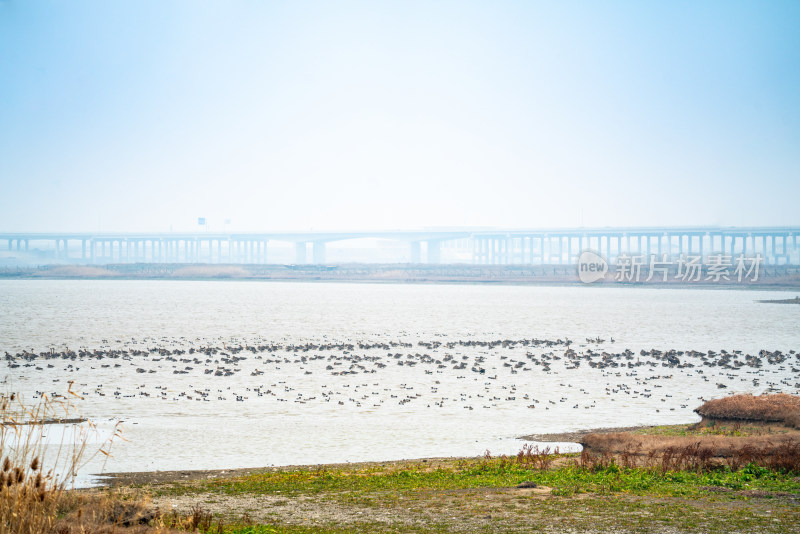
(783,456)
(693,452)
(210,271)
(80,513)
(781,407)
(76,271)
(36,482)
(766,447)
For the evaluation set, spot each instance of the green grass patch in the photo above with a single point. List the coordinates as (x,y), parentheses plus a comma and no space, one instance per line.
(567,479)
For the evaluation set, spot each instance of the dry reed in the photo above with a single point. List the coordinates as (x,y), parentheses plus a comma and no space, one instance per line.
(36,481)
(692,453)
(781,407)
(31,485)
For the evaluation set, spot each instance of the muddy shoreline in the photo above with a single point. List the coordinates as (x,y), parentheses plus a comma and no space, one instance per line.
(578,435)
(166,477)
(795,300)
(782,277)
(63,421)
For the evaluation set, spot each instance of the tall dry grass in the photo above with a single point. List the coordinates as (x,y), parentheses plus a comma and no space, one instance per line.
(693,453)
(35,476)
(30,491)
(780,407)
(37,479)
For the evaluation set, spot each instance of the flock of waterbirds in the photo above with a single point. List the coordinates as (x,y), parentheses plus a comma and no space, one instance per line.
(375,373)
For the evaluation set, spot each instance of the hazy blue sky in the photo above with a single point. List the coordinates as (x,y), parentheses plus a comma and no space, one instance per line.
(378,115)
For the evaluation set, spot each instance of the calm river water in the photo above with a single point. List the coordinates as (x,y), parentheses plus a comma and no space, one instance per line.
(225,374)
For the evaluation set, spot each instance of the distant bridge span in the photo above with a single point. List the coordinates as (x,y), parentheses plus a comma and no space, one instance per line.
(777,245)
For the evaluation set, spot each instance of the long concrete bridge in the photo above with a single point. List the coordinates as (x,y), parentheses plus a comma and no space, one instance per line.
(776,245)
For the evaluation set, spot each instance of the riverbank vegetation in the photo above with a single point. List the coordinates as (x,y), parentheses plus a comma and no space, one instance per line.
(776,408)
(667,486)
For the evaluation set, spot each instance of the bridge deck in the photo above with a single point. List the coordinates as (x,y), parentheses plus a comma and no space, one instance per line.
(777,245)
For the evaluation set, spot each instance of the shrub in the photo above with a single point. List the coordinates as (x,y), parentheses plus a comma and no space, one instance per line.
(781,407)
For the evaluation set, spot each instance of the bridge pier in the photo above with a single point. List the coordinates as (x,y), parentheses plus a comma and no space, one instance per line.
(773,251)
(262,251)
(546,249)
(434,251)
(301,249)
(416,251)
(319,252)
